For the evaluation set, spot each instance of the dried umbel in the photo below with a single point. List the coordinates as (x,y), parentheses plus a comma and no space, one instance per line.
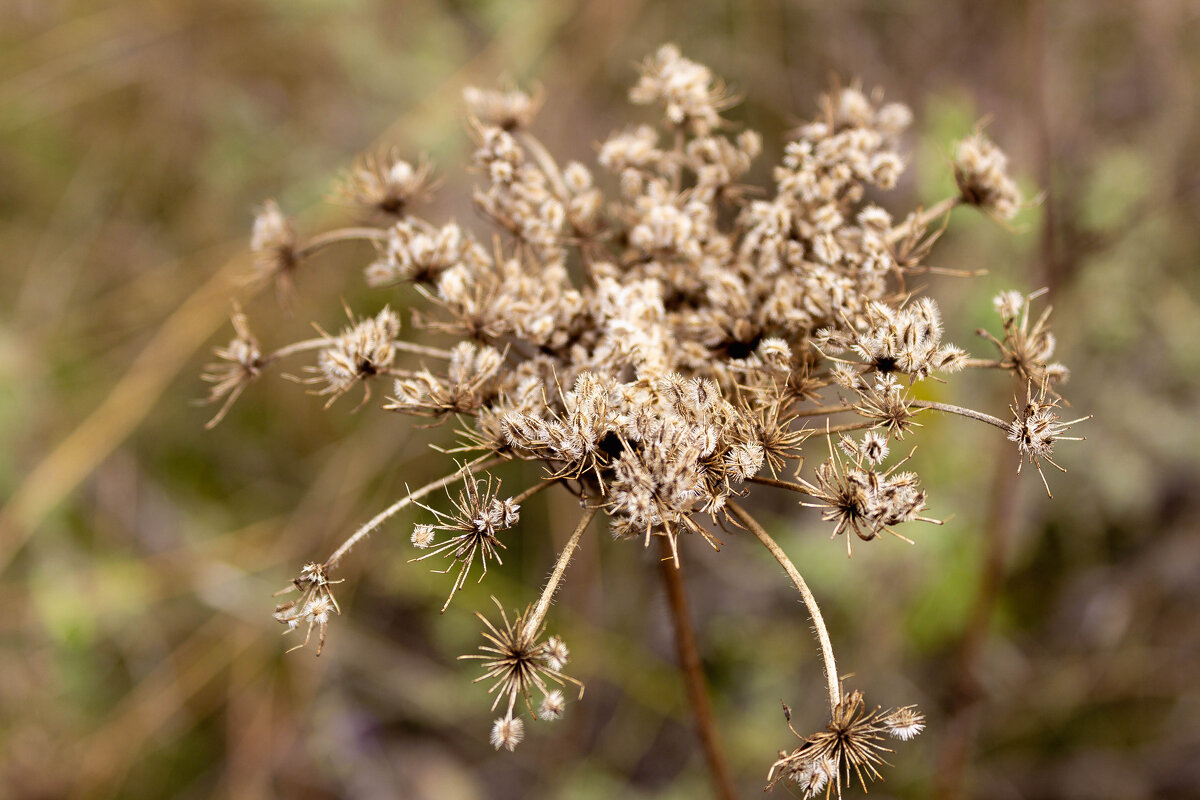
(851,747)
(657,341)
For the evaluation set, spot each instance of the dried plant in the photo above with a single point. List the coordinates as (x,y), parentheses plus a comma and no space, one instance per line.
(655,341)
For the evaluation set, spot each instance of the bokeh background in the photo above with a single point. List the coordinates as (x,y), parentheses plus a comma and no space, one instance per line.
(1053,644)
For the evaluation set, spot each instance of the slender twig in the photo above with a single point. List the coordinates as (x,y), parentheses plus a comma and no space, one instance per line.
(323,240)
(962,412)
(831,673)
(564,558)
(851,426)
(778,484)
(983,363)
(693,673)
(295,347)
(822,411)
(485,461)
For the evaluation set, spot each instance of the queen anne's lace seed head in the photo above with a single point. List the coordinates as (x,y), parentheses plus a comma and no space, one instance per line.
(981,171)
(660,339)
(385,183)
(688,91)
(509,110)
(359,353)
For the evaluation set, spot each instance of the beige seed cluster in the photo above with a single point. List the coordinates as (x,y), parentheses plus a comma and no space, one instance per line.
(660,336)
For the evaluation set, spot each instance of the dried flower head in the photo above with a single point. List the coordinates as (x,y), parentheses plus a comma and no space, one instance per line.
(359,353)
(518,662)
(904,723)
(981,172)
(850,745)
(507,732)
(1025,349)
(386,184)
(276,250)
(655,335)
(315,606)
(1035,428)
(689,93)
(509,110)
(479,514)
(860,498)
(241,362)
(552,706)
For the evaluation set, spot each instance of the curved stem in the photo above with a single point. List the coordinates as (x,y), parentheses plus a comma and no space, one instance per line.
(564,558)
(323,240)
(483,462)
(962,412)
(693,673)
(831,673)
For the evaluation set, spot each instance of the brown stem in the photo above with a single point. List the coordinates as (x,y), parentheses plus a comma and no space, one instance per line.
(693,673)
(967,697)
(962,412)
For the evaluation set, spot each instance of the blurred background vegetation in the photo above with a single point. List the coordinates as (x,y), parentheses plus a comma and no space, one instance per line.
(1053,644)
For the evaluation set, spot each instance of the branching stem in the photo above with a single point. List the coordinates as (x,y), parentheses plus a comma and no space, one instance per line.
(295,347)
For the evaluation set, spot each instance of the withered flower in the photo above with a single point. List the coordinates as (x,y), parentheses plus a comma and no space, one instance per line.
(655,336)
